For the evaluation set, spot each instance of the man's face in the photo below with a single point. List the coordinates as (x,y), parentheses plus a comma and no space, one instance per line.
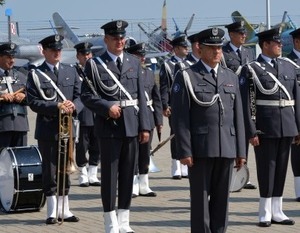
(52,56)
(7,61)
(211,55)
(297,44)
(272,49)
(237,38)
(114,44)
(83,57)
(181,51)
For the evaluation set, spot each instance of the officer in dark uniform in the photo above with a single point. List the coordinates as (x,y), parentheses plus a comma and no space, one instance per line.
(194,55)
(87,140)
(121,121)
(294,55)
(166,78)
(207,109)
(272,116)
(13,111)
(141,179)
(53,86)
(235,56)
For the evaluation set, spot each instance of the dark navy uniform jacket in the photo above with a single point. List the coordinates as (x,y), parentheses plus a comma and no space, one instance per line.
(131,122)
(156,117)
(47,121)
(166,78)
(208,131)
(294,57)
(272,121)
(13,116)
(86,116)
(232,59)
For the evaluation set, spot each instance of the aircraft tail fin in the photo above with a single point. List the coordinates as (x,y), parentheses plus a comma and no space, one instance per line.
(236,17)
(63,28)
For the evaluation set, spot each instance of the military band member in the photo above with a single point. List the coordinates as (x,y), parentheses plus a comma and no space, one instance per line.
(209,128)
(50,87)
(235,56)
(141,178)
(87,140)
(121,121)
(270,87)
(294,55)
(13,111)
(166,78)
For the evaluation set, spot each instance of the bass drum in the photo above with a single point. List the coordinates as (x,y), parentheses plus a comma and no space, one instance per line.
(239,178)
(21,179)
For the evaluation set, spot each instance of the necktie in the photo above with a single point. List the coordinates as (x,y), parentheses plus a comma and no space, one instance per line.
(274,62)
(6,72)
(119,63)
(239,53)
(55,71)
(213,74)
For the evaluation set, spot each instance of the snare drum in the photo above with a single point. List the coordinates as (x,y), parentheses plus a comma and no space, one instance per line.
(21,179)
(239,178)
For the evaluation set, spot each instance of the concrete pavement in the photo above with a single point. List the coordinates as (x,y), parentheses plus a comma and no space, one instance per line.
(166,213)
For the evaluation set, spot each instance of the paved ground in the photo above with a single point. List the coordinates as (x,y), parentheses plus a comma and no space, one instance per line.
(166,213)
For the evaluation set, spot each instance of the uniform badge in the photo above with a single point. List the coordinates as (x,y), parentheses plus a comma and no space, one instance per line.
(86,45)
(242,80)
(176,88)
(12,46)
(119,24)
(214,31)
(57,38)
(242,23)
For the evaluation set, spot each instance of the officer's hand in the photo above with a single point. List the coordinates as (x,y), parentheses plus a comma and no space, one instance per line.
(68,106)
(254,141)
(297,140)
(239,162)
(144,137)
(19,97)
(115,111)
(167,112)
(7,97)
(159,128)
(187,161)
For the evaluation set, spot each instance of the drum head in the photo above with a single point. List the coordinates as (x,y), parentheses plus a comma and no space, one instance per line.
(239,178)
(6,179)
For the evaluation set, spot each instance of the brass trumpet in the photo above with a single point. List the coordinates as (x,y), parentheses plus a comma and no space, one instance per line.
(66,162)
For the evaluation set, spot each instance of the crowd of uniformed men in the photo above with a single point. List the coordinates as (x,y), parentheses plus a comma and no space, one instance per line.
(217,96)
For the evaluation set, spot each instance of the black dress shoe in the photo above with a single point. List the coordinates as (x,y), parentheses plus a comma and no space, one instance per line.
(134,195)
(151,194)
(250,186)
(285,222)
(84,184)
(51,221)
(264,224)
(95,184)
(185,176)
(70,219)
(298,199)
(176,177)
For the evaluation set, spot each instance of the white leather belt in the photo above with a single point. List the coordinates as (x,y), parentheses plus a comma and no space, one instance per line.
(279,103)
(126,103)
(149,102)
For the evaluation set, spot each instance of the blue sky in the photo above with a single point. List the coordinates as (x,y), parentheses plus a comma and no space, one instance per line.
(133,9)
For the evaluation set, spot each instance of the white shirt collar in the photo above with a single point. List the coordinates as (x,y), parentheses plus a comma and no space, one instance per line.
(114,57)
(52,66)
(208,68)
(296,52)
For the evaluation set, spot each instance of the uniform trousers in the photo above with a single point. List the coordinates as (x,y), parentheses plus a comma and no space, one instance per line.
(143,159)
(118,159)
(272,157)
(209,186)
(49,151)
(87,143)
(295,159)
(13,139)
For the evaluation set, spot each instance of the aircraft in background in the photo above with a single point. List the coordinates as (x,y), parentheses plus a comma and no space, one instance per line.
(158,38)
(287,26)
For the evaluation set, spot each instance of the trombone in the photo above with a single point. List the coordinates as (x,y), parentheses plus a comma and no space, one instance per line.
(66,162)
